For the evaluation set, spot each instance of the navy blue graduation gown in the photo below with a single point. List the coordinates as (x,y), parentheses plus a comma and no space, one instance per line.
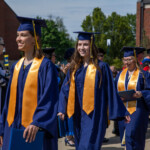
(136,129)
(90,129)
(45,115)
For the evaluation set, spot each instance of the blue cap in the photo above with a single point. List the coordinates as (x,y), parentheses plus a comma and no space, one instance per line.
(140,50)
(145,60)
(85,35)
(69,52)
(129,51)
(26,24)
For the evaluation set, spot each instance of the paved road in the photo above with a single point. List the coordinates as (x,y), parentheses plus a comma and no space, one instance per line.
(113,144)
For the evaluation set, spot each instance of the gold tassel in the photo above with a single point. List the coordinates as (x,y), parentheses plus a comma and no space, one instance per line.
(36,42)
(91,55)
(135,55)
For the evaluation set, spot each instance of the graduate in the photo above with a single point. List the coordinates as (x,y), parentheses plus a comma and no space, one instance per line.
(32,94)
(132,78)
(67,124)
(88,90)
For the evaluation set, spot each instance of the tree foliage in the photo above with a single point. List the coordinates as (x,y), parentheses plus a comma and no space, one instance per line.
(55,35)
(119,29)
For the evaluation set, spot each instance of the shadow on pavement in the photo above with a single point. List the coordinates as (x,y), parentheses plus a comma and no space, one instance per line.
(148,131)
(113,140)
(112,148)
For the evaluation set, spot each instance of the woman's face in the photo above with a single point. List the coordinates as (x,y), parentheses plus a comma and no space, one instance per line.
(53,58)
(129,62)
(25,41)
(83,48)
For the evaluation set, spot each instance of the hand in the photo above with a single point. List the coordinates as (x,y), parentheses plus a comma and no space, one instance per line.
(61,116)
(30,133)
(1,141)
(123,99)
(127,119)
(138,94)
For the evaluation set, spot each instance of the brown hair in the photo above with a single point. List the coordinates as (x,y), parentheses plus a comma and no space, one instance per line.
(77,60)
(136,62)
(37,53)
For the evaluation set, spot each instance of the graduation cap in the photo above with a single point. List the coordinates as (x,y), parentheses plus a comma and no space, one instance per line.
(146,60)
(31,24)
(129,51)
(101,50)
(48,51)
(1,41)
(87,36)
(148,51)
(69,52)
(140,50)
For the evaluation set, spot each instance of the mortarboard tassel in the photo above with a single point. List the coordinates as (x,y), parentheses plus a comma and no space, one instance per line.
(36,42)
(135,55)
(91,55)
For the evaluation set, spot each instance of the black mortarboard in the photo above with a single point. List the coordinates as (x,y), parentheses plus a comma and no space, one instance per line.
(129,51)
(48,51)
(140,50)
(101,50)
(69,52)
(148,51)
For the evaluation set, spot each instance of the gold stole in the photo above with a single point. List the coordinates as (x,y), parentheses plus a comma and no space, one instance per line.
(131,106)
(88,92)
(29,102)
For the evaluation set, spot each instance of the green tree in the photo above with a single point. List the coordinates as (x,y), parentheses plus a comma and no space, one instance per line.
(95,23)
(55,35)
(119,29)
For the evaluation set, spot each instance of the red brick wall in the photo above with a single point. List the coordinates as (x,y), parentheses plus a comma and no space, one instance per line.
(138,24)
(147,22)
(8,28)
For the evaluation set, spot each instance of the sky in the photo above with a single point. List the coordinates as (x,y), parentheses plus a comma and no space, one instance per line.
(73,12)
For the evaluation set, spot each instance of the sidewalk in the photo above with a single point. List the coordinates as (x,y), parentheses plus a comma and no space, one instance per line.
(113,144)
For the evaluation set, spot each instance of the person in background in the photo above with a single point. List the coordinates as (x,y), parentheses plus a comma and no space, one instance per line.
(140,55)
(146,64)
(100,54)
(148,54)
(116,128)
(133,134)
(4,77)
(87,91)
(32,94)
(68,122)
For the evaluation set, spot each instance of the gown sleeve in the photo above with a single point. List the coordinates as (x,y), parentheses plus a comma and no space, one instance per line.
(146,90)
(45,115)
(63,96)
(3,117)
(117,110)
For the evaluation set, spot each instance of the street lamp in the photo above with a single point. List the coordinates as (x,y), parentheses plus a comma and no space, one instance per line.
(108,45)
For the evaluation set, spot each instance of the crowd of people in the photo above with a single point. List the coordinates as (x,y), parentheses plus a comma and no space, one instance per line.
(75,100)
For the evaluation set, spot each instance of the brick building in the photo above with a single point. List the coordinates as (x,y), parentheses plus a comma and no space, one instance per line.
(8,28)
(143,23)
